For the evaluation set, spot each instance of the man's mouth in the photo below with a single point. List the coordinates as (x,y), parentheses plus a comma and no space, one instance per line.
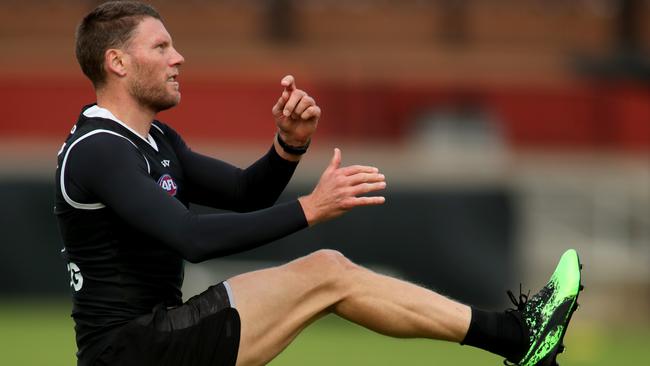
(172,79)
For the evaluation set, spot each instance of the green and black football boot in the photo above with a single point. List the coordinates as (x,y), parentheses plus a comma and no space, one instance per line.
(546,315)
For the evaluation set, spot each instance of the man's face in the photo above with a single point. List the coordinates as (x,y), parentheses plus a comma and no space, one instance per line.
(154,66)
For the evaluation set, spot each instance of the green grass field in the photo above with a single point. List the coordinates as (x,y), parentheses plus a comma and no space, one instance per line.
(41,334)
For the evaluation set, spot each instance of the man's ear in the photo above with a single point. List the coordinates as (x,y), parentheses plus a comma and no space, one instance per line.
(115,61)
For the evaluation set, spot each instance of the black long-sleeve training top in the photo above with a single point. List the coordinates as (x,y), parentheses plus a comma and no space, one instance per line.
(122,207)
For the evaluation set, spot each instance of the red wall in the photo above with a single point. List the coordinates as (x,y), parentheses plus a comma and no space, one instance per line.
(612,116)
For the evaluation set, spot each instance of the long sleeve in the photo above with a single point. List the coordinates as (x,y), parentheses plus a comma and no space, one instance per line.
(218,184)
(109,169)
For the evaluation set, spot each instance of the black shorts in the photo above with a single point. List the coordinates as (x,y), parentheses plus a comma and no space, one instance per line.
(204,331)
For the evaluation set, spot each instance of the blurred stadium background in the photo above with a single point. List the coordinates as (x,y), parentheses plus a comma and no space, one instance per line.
(509,130)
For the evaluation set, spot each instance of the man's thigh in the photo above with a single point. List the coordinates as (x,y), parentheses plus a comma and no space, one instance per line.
(275,304)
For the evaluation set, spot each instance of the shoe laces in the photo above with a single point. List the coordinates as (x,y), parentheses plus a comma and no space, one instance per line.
(520,302)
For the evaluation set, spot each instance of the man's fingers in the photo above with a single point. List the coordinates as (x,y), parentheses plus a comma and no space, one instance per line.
(295,98)
(356,169)
(288,82)
(305,102)
(311,112)
(364,201)
(365,178)
(336,160)
(367,188)
(277,108)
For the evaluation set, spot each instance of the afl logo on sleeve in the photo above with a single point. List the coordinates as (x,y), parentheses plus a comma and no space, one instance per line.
(168,184)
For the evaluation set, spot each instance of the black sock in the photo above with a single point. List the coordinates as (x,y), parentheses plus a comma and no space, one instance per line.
(500,333)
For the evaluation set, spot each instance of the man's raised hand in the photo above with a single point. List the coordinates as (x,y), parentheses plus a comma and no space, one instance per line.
(296,114)
(338,189)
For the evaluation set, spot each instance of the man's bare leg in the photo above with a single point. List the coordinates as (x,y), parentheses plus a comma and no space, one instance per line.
(276,304)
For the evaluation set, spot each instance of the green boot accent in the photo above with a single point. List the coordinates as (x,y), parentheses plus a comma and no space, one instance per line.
(547,313)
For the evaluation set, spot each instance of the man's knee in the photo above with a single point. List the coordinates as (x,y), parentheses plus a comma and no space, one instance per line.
(328,261)
(328,273)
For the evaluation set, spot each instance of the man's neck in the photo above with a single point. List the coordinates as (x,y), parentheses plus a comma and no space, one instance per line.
(127,110)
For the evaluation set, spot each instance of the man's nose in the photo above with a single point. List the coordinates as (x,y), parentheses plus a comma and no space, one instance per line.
(177,58)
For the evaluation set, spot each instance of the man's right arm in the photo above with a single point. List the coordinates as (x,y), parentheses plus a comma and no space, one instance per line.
(109,169)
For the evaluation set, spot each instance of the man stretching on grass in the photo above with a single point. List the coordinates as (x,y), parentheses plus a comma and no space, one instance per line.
(124,184)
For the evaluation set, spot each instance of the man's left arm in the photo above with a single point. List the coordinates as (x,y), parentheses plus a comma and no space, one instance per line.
(218,184)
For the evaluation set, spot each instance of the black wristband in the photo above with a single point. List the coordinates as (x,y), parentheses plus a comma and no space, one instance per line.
(293,150)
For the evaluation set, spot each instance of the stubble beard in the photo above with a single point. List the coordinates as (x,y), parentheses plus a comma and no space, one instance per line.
(151,93)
